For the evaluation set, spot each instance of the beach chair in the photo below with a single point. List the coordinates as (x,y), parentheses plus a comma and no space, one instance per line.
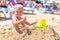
(5,10)
(28,10)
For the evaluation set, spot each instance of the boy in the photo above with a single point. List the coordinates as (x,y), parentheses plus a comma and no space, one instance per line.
(17,19)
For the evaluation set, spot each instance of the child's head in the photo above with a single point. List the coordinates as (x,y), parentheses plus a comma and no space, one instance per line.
(18,10)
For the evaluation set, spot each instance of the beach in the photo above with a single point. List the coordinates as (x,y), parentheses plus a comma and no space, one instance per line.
(49,32)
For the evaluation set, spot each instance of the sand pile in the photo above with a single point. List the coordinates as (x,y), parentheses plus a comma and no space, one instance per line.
(7,32)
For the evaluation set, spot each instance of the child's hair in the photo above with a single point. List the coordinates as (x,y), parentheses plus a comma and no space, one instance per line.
(17,6)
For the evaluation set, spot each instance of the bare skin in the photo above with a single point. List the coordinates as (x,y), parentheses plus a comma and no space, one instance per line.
(3,2)
(23,1)
(19,21)
(38,6)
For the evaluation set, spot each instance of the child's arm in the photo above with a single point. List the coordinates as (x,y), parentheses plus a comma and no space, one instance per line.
(33,23)
(30,23)
(19,21)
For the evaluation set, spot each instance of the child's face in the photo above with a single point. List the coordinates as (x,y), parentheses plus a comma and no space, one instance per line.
(18,12)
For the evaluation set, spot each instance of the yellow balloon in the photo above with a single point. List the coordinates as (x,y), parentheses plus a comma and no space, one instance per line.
(41,23)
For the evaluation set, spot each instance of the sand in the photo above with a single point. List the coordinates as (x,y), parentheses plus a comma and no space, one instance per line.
(8,32)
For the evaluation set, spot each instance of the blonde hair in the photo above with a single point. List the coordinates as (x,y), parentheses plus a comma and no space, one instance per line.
(18,6)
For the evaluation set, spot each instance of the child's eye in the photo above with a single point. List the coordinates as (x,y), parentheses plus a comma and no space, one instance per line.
(17,11)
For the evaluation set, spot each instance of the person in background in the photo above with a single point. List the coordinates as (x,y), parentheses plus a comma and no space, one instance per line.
(12,2)
(4,7)
(30,3)
(3,4)
(21,2)
(38,5)
(54,5)
(41,1)
(48,6)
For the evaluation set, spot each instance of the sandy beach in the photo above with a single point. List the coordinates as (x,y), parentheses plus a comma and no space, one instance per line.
(8,32)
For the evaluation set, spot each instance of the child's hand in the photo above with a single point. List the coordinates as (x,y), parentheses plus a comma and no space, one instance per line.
(24,19)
